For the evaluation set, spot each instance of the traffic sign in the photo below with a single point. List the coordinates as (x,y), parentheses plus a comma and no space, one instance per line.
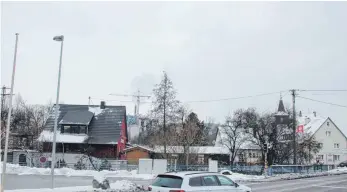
(43,159)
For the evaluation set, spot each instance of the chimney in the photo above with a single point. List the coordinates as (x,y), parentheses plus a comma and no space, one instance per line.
(102,105)
(300,114)
(315,114)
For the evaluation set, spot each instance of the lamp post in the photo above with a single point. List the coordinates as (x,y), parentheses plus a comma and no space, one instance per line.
(60,39)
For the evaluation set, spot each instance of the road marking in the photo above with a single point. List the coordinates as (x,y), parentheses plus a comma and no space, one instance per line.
(284,183)
(308,186)
(324,186)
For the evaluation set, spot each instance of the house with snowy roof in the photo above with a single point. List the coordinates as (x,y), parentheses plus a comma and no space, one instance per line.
(328,134)
(83,126)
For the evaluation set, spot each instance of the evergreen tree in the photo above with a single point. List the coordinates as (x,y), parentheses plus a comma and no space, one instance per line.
(165,106)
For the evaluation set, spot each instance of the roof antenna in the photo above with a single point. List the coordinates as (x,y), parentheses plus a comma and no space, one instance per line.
(88,101)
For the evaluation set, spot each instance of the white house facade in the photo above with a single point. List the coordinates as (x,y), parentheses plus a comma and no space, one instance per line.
(332,139)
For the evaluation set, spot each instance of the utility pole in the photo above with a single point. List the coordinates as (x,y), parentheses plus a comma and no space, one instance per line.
(294,125)
(3,94)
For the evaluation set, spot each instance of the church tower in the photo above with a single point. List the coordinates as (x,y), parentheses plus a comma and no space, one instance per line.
(282,117)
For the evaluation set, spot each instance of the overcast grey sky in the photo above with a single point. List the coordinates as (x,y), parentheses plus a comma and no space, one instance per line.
(210,50)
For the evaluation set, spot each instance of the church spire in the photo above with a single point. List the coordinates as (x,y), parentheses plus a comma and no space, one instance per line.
(281,106)
(281,114)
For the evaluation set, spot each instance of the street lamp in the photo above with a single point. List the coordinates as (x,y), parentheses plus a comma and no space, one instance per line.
(60,39)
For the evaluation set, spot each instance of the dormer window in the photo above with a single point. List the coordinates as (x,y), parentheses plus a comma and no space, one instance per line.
(74,129)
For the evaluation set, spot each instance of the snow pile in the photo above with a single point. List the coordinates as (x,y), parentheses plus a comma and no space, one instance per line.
(99,176)
(22,170)
(118,186)
(237,177)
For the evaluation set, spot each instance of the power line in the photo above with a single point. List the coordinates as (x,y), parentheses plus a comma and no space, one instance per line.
(325,90)
(112,100)
(323,102)
(233,98)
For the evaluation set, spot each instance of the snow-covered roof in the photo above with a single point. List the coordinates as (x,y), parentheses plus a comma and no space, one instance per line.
(139,146)
(196,149)
(281,113)
(169,149)
(104,127)
(47,136)
(96,110)
(77,118)
(311,122)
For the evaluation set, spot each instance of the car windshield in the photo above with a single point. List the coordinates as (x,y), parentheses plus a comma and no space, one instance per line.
(168,181)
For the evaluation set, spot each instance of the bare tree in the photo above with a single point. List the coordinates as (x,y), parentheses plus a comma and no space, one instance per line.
(232,133)
(27,122)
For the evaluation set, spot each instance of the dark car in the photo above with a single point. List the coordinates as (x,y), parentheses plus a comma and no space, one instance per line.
(343,164)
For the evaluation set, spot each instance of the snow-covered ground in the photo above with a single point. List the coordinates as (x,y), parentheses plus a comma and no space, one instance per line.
(22,170)
(238,177)
(118,186)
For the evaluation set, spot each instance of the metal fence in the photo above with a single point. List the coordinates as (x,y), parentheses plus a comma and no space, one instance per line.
(116,165)
(111,166)
(300,169)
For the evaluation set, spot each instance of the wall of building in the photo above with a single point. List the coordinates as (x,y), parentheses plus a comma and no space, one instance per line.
(134,155)
(330,141)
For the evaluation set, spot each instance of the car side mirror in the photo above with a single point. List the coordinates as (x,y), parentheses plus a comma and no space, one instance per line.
(236,185)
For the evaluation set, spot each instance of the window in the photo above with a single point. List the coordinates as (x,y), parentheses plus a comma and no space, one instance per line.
(327,133)
(241,157)
(83,129)
(195,182)
(253,155)
(225,181)
(201,159)
(250,155)
(336,157)
(168,181)
(328,123)
(74,129)
(336,145)
(210,181)
(320,157)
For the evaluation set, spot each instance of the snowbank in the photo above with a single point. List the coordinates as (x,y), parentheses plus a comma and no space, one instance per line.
(118,186)
(22,170)
(237,177)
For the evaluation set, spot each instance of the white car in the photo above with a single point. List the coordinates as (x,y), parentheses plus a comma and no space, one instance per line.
(195,181)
